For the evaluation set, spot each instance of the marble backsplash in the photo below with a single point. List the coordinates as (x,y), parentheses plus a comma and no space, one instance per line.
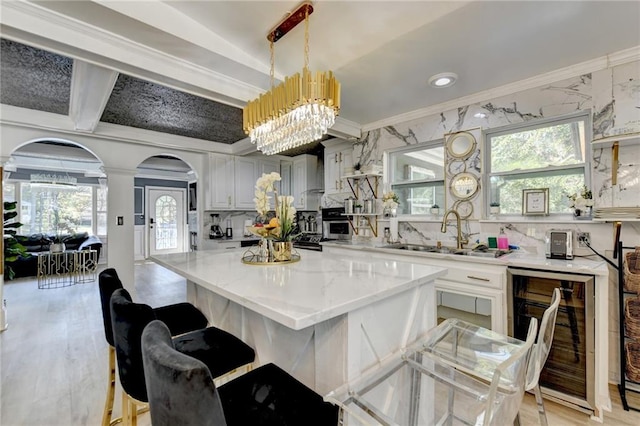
(611,96)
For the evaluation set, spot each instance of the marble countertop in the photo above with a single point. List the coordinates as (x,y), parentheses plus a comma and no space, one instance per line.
(518,258)
(319,287)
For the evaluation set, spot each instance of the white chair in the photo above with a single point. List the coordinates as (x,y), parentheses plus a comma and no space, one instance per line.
(540,352)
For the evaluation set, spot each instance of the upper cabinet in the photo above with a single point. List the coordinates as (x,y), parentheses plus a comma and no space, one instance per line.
(304,182)
(221,182)
(233,180)
(246,169)
(338,161)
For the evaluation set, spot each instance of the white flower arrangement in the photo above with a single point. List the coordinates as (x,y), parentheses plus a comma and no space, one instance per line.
(264,185)
(282,226)
(390,200)
(582,200)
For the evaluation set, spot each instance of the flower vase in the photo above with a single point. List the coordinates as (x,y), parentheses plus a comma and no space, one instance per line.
(57,247)
(282,251)
(263,250)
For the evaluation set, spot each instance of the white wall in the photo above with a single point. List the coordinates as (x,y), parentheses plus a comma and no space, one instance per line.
(120,160)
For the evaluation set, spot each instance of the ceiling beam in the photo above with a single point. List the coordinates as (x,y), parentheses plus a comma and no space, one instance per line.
(91,88)
(34,25)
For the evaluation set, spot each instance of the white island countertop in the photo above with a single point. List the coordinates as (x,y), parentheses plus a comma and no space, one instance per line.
(298,295)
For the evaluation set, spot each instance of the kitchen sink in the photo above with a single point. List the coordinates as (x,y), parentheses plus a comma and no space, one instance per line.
(448,250)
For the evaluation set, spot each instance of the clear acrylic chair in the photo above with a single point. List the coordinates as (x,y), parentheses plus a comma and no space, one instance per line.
(540,352)
(459,374)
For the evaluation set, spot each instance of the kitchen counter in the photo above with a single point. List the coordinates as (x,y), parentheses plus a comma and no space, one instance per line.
(518,258)
(324,319)
(301,294)
(484,276)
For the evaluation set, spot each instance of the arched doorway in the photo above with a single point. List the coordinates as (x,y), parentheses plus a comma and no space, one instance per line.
(60,191)
(163,220)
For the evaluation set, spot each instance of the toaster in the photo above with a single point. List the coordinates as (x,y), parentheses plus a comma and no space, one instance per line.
(559,244)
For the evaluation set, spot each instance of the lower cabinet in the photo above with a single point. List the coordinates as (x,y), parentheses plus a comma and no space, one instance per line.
(220,244)
(480,306)
(474,292)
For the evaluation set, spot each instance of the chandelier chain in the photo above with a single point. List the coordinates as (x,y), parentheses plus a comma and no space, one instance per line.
(272,52)
(306,38)
(299,110)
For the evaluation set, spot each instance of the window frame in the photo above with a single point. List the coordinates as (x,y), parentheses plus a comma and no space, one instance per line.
(421,183)
(585,166)
(17,184)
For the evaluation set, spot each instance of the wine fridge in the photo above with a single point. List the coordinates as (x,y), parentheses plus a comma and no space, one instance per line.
(568,375)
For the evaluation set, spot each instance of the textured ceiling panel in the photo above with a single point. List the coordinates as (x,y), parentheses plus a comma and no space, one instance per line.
(150,106)
(33,78)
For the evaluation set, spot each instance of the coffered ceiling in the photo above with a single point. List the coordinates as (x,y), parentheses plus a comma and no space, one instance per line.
(186,68)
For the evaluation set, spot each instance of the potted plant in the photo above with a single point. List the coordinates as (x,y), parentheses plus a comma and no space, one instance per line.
(435,209)
(57,245)
(494,207)
(356,168)
(12,247)
(357,208)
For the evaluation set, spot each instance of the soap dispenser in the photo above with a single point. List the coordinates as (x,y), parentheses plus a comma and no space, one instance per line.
(503,241)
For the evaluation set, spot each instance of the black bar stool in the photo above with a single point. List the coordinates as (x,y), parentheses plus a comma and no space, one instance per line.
(181,391)
(222,352)
(179,317)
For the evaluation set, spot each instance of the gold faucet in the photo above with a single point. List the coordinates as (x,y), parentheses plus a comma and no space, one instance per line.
(443,229)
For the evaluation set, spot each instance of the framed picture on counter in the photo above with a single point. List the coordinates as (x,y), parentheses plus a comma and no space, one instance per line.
(535,201)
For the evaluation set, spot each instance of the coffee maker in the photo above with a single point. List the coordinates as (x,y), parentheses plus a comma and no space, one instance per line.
(216,230)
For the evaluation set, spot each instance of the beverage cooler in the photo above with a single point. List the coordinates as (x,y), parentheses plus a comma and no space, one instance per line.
(568,375)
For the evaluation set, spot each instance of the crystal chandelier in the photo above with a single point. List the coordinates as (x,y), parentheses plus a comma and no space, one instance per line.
(298,111)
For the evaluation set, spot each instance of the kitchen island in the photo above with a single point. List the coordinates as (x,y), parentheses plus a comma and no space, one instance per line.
(325,319)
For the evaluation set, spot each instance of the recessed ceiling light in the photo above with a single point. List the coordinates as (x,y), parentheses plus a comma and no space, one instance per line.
(480,115)
(444,79)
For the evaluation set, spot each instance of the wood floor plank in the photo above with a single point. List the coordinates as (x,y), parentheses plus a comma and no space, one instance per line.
(53,356)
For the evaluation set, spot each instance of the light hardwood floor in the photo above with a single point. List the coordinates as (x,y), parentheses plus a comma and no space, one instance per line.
(54,355)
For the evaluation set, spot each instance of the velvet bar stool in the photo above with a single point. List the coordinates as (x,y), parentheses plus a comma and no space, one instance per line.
(222,352)
(181,391)
(179,317)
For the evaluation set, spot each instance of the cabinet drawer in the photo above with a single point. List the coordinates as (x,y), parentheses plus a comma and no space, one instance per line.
(468,276)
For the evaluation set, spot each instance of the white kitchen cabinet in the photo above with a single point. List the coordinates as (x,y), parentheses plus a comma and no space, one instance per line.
(220,244)
(474,292)
(304,182)
(285,173)
(221,181)
(267,165)
(338,157)
(245,171)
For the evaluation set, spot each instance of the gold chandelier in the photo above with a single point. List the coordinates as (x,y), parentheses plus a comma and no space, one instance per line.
(301,109)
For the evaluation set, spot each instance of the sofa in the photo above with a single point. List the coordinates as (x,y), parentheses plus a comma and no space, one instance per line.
(27,266)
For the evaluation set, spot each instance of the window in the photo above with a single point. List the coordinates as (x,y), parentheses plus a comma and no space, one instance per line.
(417,177)
(55,209)
(52,209)
(101,210)
(549,154)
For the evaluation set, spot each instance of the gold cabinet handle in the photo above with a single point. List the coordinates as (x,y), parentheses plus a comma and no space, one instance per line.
(478,278)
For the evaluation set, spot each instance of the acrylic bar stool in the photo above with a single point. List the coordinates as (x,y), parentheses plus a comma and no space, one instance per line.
(457,374)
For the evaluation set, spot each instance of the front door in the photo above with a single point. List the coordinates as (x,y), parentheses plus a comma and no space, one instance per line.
(166,221)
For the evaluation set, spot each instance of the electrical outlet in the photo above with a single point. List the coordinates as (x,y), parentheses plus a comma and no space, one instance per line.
(584,238)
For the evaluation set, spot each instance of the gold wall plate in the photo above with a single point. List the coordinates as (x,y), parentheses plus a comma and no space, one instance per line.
(464,186)
(461,145)
(464,208)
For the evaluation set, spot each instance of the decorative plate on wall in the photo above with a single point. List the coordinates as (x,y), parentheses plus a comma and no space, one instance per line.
(461,145)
